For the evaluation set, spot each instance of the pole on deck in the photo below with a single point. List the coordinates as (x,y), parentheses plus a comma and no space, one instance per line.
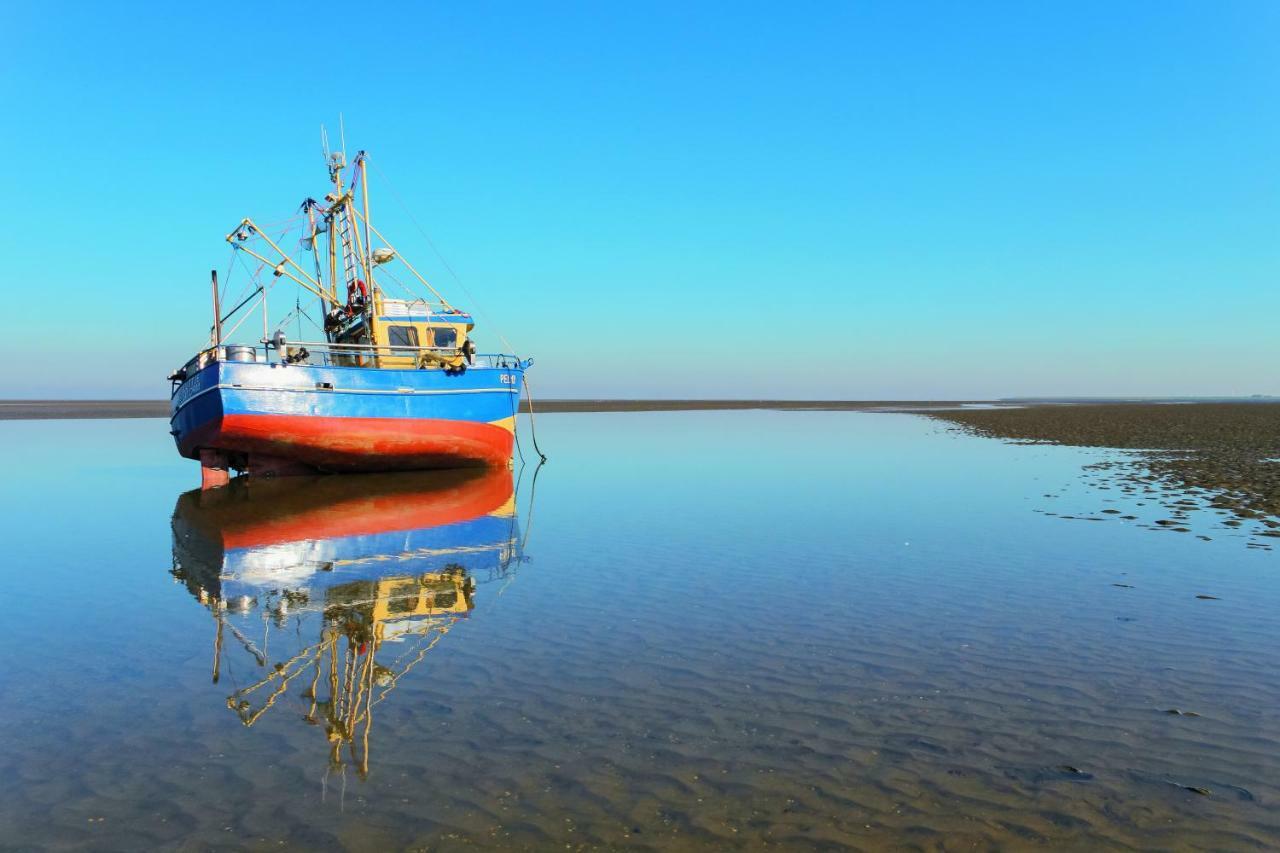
(217,311)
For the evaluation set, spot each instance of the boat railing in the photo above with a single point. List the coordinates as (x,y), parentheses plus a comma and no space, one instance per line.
(329,354)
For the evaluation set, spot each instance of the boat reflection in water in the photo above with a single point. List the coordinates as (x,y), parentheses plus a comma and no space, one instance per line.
(331,589)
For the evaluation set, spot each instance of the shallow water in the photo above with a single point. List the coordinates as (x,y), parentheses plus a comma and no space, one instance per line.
(701,630)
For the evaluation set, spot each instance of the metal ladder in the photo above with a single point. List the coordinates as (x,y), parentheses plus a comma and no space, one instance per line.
(350,264)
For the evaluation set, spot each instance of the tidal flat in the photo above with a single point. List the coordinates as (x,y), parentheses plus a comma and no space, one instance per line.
(694,630)
(1223,458)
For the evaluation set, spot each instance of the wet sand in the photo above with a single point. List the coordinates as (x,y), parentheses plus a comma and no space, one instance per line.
(1215,456)
(856,639)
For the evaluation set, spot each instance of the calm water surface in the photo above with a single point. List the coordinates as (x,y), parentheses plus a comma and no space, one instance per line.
(700,630)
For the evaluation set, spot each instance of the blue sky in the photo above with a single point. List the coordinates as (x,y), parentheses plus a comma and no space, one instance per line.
(847,200)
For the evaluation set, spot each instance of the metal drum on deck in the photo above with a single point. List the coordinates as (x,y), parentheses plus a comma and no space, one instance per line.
(241,352)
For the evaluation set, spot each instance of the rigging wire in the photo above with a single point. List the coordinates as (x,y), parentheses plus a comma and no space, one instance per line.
(440,257)
(262,294)
(245,295)
(255,276)
(226,277)
(263,290)
(243,302)
(413,297)
(533,431)
(298,312)
(289,221)
(310,320)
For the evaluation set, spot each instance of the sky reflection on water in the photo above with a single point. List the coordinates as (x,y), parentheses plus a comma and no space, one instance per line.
(724,628)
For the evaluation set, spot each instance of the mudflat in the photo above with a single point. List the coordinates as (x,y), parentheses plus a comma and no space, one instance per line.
(1229,453)
(32,410)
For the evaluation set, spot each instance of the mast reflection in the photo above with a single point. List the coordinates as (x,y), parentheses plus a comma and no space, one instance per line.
(332,589)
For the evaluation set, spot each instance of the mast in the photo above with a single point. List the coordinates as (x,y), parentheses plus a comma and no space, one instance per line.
(333,262)
(348,222)
(336,163)
(342,216)
(362,159)
(313,232)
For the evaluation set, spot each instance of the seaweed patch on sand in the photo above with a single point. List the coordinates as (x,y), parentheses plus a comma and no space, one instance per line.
(1217,457)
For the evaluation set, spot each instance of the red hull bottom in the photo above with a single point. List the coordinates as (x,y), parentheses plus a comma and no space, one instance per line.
(295,444)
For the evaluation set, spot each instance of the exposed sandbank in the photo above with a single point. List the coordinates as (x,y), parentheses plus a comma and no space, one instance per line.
(1216,456)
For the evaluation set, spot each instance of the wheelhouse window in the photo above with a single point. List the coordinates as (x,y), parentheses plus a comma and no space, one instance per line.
(444,338)
(402,336)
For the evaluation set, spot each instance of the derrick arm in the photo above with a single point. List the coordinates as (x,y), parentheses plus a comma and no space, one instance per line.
(306,281)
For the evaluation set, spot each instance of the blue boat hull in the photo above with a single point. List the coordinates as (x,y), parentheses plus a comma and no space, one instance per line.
(277,417)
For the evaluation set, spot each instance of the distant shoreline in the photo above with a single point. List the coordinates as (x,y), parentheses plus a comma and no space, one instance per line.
(28,410)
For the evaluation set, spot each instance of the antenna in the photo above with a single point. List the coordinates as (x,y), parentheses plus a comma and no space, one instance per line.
(342,134)
(335,160)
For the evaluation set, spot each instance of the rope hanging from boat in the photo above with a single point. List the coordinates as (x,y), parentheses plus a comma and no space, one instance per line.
(533,427)
(364,175)
(515,431)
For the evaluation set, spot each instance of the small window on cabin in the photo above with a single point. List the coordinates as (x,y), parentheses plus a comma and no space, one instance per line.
(445,338)
(403,597)
(402,604)
(444,600)
(402,336)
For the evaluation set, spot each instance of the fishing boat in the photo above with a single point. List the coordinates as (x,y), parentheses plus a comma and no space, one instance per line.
(376,379)
(325,592)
